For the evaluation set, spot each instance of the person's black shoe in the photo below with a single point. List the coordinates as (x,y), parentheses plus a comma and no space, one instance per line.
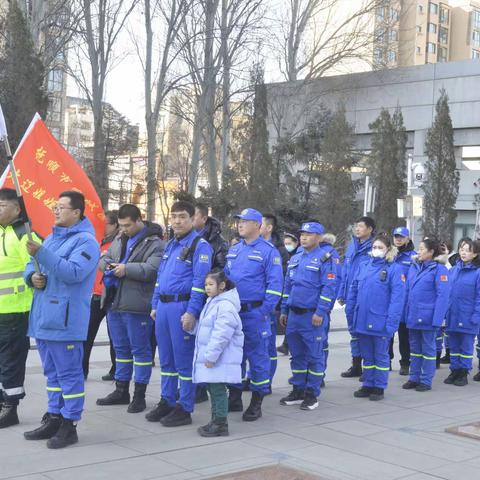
(421,387)
(161,410)
(404,370)
(254,410)
(476,377)
(218,427)
(390,367)
(66,435)
(283,349)
(452,377)
(376,395)
(235,403)
(295,397)
(437,362)
(246,385)
(310,402)
(201,394)
(322,383)
(109,377)
(363,392)
(120,396)
(177,417)
(269,391)
(446,358)
(138,403)
(50,424)
(409,385)
(8,416)
(360,378)
(355,370)
(462,378)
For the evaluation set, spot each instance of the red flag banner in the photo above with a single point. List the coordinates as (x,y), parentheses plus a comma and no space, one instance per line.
(45,169)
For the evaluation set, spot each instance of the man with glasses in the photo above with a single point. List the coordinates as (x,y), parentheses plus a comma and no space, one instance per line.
(15,302)
(59,318)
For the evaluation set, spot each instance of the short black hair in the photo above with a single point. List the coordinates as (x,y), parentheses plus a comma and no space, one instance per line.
(218,274)
(368,221)
(8,194)
(271,220)
(129,211)
(432,244)
(462,241)
(77,200)
(183,206)
(112,216)
(202,208)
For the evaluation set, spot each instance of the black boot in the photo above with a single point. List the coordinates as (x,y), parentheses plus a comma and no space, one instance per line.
(404,370)
(8,416)
(476,377)
(138,403)
(50,424)
(409,385)
(462,378)
(161,410)
(66,435)
(177,417)
(377,394)
(119,396)
(109,377)
(452,377)
(295,397)
(363,392)
(218,427)
(201,394)
(437,363)
(355,370)
(446,358)
(235,403)
(254,410)
(283,348)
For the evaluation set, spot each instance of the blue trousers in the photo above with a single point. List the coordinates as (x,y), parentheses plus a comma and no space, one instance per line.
(62,365)
(354,346)
(272,345)
(439,339)
(423,355)
(175,351)
(477,346)
(376,360)
(461,350)
(306,344)
(131,334)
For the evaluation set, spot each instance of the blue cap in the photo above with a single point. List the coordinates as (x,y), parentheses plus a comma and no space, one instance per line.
(401,231)
(313,227)
(250,214)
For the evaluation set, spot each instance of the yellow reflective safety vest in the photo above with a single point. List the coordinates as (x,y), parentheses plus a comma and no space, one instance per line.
(15,295)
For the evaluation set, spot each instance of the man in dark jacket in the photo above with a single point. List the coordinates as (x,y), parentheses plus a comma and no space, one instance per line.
(209,229)
(130,267)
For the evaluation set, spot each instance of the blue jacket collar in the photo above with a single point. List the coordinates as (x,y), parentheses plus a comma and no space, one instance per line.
(83,225)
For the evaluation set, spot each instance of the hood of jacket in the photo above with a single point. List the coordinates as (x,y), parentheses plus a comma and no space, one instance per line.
(231,296)
(329,238)
(442,259)
(83,225)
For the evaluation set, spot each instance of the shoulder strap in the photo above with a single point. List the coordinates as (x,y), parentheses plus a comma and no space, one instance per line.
(193,246)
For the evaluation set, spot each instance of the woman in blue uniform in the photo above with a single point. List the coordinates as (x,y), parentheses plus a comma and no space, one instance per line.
(463,318)
(374,307)
(425,309)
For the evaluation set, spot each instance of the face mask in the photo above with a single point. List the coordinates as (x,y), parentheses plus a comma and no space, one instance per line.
(290,248)
(378,253)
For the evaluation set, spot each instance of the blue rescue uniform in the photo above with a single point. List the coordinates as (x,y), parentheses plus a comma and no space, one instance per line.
(374,308)
(425,309)
(180,288)
(310,288)
(463,317)
(256,270)
(356,253)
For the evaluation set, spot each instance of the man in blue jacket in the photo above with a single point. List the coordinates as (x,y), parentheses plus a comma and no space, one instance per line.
(60,312)
(255,266)
(177,301)
(308,298)
(356,253)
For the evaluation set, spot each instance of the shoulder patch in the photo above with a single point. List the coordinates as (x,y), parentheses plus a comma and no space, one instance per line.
(444,278)
(204,258)
(86,255)
(277,261)
(331,276)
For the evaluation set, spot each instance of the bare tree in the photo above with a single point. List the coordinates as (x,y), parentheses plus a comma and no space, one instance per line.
(101,23)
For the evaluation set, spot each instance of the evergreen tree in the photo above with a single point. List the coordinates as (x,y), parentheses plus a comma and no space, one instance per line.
(22,76)
(386,167)
(441,188)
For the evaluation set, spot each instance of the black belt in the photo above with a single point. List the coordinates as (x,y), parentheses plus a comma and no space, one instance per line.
(182,297)
(301,311)
(251,305)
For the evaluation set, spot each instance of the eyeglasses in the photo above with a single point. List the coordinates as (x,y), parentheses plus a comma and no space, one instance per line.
(59,208)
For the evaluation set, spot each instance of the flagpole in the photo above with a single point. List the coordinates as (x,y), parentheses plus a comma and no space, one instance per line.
(23,208)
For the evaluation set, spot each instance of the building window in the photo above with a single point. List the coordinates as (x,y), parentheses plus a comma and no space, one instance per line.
(55,110)
(433,8)
(476,19)
(431,47)
(419,29)
(443,35)
(393,34)
(55,80)
(394,15)
(420,9)
(419,50)
(381,13)
(475,54)
(442,54)
(377,55)
(392,56)
(432,28)
(444,15)
(476,37)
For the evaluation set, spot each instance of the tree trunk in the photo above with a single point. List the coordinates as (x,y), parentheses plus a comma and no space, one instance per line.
(226,61)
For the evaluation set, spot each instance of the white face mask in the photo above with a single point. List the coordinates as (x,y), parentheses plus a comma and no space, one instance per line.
(290,248)
(376,253)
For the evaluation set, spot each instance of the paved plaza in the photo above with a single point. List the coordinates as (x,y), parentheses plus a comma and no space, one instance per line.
(402,437)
